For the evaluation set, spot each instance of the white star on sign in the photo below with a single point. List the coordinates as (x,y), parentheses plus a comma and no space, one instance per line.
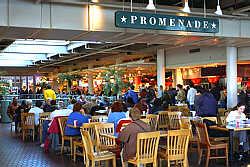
(213,25)
(123,19)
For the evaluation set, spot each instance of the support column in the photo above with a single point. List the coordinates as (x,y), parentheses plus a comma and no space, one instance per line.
(231,77)
(90,80)
(179,79)
(161,68)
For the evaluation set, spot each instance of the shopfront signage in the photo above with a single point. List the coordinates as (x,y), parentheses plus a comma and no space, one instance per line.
(213,71)
(124,19)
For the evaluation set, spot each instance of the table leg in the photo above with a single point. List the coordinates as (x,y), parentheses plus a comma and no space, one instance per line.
(230,147)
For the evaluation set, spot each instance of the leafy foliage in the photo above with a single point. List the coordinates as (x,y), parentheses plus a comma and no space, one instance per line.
(113,88)
(3,85)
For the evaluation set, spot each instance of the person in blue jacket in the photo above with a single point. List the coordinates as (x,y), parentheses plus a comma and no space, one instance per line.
(131,94)
(77,115)
(207,105)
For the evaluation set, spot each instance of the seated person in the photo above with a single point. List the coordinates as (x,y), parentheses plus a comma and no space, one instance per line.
(77,115)
(238,115)
(37,110)
(116,114)
(129,134)
(72,102)
(53,106)
(156,107)
(142,106)
(59,112)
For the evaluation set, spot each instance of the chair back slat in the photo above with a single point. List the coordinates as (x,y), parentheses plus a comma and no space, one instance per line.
(177,144)
(62,124)
(28,120)
(147,146)
(90,127)
(173,119)
(87,142)
(163,120)
(202,133)
(101,141)
(153,120)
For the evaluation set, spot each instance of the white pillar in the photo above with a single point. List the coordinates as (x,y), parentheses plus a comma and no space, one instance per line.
(179,79)
(161,68)
(231,77)
(90,81)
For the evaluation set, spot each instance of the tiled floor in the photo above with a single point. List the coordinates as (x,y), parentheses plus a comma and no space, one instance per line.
(16,153)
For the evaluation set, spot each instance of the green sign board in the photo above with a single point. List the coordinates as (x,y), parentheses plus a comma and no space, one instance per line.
(124,19)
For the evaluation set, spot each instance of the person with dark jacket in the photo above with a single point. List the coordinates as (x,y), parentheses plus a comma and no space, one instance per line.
(207,105)
(130,94)
(243,97)
(215,92)
(129,134)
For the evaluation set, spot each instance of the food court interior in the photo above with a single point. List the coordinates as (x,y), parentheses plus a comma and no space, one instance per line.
(99,48)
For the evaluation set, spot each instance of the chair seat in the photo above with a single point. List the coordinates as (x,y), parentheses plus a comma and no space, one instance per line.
(103,154)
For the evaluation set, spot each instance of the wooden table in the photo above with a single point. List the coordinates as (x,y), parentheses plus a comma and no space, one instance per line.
(231,129)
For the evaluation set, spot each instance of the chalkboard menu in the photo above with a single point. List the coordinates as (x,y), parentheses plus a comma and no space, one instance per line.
(213,71)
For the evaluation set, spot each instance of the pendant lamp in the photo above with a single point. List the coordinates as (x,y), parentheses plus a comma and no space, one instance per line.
(186,8)
(218,11)
(151,5)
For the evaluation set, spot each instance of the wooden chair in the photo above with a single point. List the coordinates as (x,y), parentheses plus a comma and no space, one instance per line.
(172,108)
(98,118)
(163,120)
(42,118)
(62,124)
(147,147)
(193,140)
(105,139)
(95,156)
(90,127)
(28,124)
(205,144)
(173,120)
(176,147)
(153,120)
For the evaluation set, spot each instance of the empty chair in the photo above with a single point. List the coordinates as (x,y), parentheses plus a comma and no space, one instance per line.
(163,120)
(193,140)
(173,120)
(205,144)
(146,149)
(28,124)
(153,120)
(90,127)
(105,139)
(176,147)
(91,154)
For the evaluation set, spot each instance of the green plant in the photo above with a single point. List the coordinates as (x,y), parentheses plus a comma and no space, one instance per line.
(69,78)
(3,85)
(115,87)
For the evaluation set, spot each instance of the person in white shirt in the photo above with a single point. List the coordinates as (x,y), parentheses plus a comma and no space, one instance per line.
(238,115)
(37,110)
(60,111)
(191,96)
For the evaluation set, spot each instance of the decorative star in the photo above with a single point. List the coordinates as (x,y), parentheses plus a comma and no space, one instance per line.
(124,19)
(213,25)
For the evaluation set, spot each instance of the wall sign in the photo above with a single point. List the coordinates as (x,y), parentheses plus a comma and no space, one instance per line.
(124,19)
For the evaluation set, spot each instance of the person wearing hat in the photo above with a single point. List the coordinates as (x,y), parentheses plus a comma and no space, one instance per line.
(129,134)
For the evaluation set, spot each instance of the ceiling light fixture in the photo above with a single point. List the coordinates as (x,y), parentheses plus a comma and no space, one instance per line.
(218,11)
(151,5)
(186,8)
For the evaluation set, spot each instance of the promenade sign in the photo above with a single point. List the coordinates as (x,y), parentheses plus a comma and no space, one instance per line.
(124,19)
